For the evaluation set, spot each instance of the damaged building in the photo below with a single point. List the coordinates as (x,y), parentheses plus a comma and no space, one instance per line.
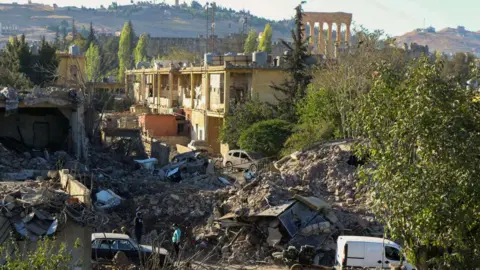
(43,119)
(201,96)
(42,134)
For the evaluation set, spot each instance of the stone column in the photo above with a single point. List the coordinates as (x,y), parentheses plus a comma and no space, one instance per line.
(321,41)
(192,89)
(339,30)
(159,91)
(170,89)
(347,34)
(312,32)
(329,42)
(226,87)
(329,34)
(206,91)
(154,92)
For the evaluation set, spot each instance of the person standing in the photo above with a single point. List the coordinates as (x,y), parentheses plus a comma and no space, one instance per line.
(138,227)
(176,239)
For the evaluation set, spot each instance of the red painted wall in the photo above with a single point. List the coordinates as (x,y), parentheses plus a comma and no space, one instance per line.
(158,125)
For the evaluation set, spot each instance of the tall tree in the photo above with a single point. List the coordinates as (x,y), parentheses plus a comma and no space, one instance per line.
(57,38)
(45,64)
(141,49)
(265,44)
(125,50)
(91,37)
(421,133)
(93,63)
(250,42)
(294,88)
(74,29)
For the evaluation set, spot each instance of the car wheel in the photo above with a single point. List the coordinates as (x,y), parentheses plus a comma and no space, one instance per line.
(229,166)
(253,168)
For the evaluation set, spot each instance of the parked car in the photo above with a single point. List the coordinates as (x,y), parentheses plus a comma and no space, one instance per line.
(106,245)
(240,159)
(200,146)
(368,252)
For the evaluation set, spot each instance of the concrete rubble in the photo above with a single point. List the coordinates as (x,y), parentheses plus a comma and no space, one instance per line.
(247,223)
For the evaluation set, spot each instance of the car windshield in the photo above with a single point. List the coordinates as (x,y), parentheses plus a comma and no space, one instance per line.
(255,156)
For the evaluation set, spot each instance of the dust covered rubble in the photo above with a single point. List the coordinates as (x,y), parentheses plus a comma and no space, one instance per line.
(198,203)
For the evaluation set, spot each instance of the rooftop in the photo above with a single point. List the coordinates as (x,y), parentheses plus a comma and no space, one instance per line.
(109,236)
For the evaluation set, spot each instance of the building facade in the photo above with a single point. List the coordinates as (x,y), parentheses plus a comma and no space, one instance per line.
(205,94)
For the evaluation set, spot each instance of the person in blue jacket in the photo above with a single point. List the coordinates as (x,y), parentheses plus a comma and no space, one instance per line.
(176,239)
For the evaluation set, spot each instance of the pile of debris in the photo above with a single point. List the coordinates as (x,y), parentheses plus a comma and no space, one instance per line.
(16,159)
(292,214)
(39,208)
(305,206)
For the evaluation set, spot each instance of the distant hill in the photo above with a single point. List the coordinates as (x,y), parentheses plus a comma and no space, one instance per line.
(159,20)
(447,40)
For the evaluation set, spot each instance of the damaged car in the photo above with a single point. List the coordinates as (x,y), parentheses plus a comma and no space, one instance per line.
(106,245)
(240,159)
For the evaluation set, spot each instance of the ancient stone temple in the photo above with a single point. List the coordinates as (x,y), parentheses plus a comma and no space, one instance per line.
(328,46)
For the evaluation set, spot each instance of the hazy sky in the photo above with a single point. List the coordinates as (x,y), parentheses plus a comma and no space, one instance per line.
(394,16)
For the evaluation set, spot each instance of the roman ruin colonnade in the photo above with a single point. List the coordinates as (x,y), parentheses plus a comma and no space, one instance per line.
(339,18)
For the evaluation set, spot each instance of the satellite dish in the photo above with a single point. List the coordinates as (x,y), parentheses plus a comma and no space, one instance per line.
(242,20)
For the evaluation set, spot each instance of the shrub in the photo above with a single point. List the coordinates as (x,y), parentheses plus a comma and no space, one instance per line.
(266,137)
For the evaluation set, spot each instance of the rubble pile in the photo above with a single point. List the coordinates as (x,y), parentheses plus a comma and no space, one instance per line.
(39,208)
(13,161)
(327,170)
(288,215)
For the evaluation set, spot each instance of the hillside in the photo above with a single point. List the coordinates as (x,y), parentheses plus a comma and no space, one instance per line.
(448,40)
(158,20)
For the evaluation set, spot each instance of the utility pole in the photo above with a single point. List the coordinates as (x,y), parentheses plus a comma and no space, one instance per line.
(213,26)
(206,36)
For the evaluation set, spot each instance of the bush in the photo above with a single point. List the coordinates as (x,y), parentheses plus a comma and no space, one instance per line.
(266,137)
(243,116)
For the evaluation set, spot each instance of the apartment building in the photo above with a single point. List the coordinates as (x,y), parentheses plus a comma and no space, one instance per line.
(204,94)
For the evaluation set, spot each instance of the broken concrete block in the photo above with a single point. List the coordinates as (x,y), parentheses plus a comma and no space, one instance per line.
(175,197)
(350,201)
(274,236)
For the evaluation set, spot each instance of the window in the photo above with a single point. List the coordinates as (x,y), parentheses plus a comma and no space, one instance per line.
(124,245)
(236,154)
(244,156)
(392,253)
(105,244)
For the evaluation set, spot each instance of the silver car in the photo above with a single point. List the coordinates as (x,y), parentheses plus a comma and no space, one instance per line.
(240,159)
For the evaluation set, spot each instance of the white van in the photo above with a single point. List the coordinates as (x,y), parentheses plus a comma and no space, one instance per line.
(367,252)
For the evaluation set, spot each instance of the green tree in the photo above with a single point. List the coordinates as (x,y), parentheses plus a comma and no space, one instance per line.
(241,117)
(266,137)
(196,5)
(265,44)
(421,133)
(332,98)
(46,256)
(250,42)
(125,48)
(91,37)
(93,63)
(45,64)
(294,88)
(141,49)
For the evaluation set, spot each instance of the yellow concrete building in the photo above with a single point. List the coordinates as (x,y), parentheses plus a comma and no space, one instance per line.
(204,94)
(71,69)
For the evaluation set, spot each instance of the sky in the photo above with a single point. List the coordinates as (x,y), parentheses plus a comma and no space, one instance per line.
(395,17)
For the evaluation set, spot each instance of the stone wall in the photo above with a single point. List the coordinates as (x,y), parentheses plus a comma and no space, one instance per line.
(74,187)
